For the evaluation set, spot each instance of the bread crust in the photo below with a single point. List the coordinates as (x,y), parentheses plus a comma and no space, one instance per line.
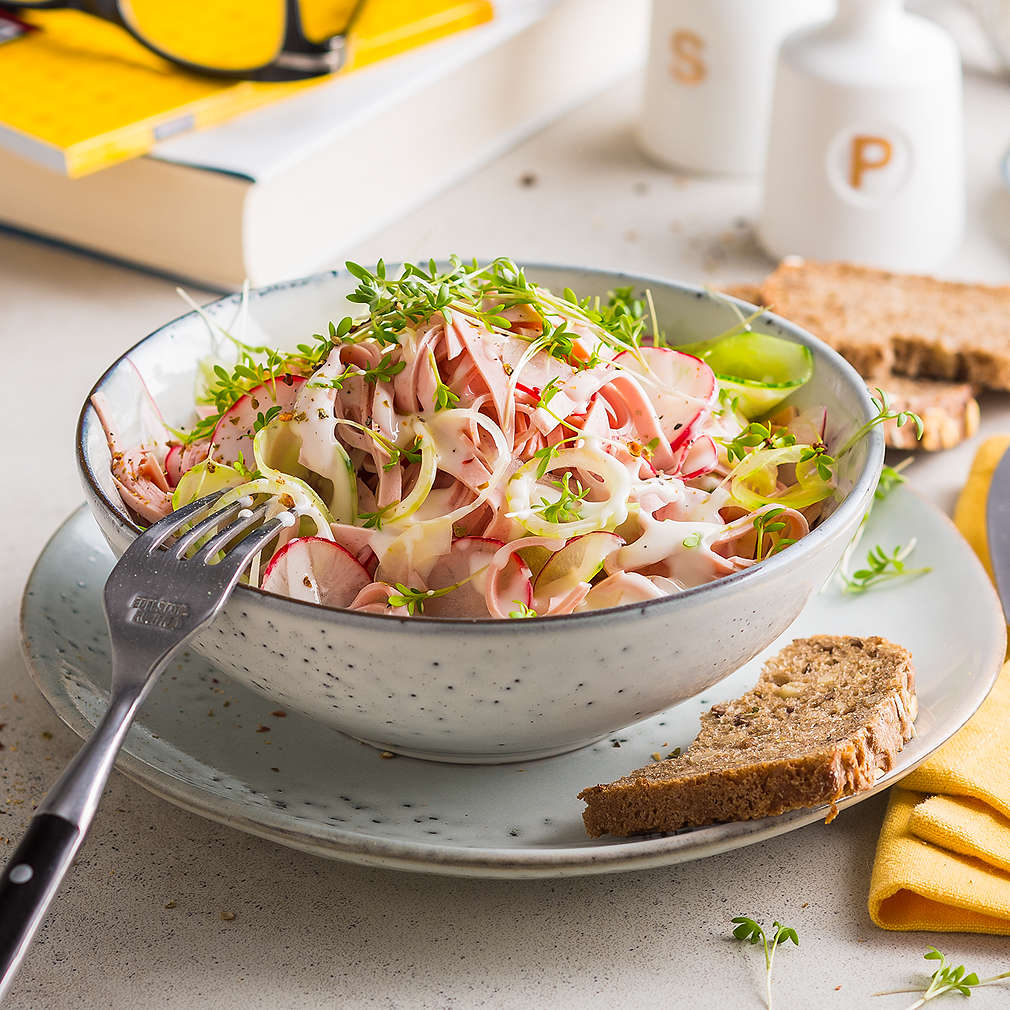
(711,782)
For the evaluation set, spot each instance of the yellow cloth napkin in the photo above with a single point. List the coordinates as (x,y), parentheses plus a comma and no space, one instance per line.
(943,858)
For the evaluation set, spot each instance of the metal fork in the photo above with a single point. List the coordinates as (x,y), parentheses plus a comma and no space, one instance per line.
(156,598)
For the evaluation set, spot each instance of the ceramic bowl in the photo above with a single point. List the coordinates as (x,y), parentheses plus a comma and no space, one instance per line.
(486,690)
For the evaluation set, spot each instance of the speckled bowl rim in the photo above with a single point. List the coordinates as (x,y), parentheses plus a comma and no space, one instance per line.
(854,501)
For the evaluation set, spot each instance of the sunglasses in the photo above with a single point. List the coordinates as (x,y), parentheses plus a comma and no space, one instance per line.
(255,40)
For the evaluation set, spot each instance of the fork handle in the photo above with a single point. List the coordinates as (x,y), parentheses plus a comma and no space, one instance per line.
(32,877)
(29,883)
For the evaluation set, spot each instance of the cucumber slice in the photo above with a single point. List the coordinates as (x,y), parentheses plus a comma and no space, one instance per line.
(203,479)
(758,369)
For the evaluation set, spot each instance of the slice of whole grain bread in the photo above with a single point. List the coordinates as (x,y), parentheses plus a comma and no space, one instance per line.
(949,410)
(827,716)
(908,324)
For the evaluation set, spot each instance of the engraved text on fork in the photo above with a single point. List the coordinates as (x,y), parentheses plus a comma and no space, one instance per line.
(157,612)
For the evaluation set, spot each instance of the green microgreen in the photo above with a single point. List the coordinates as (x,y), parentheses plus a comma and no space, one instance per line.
(415,599)
(750,931)
(884,413)
(729,402)
(337,382)
(263,419)
(881,566)
(397,456)
(374,520)
(484,293)
(768,523)
(558,341)
(890,478)
(818,452)
(567,508)
(756,435)
(521,611)
(241,468)
(692,540)
(256,366)
(444,397)
(549,391)
(947,978)
(544,457)
(384,370)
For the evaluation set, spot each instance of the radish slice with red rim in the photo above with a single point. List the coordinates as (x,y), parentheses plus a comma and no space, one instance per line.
(686,389)
(233,433)
(701,458)
(315,570)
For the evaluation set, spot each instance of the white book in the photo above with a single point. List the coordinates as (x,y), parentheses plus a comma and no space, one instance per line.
(281,191)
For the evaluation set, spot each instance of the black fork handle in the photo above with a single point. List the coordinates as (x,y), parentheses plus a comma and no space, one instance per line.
(28,885)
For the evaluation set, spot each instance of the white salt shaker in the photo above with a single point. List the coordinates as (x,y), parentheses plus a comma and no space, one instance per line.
(708,82)
(866,149)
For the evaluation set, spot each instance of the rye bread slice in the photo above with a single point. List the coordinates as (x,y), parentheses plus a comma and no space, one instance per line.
(909,324)
(949,410)
(827,716)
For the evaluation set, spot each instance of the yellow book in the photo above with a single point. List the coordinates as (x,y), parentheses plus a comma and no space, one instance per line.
(78,94)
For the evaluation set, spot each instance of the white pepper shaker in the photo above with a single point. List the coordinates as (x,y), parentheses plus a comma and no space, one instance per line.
(708,82)
(866,148)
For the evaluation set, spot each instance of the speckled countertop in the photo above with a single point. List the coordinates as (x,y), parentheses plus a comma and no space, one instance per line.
(165,909)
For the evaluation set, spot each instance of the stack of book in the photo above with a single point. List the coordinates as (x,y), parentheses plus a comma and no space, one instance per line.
(282,189)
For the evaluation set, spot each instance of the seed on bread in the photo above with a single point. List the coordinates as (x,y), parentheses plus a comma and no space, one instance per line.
(827,716)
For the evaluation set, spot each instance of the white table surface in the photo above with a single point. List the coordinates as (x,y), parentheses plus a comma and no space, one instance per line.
(309,933)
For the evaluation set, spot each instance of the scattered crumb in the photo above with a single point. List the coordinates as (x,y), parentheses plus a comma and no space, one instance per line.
(387,754)
(656,756)
(226,704)
(275,769)
(528,179)
(262,729)
(680,181)
(675,753)
(46,735)
(806,904)
(169,904)
(279,714)
(616,743)
(210,712)
(631,235)
(641,188)
(228,916)
(837,987)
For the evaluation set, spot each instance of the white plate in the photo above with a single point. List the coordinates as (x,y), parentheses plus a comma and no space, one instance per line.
(199,743)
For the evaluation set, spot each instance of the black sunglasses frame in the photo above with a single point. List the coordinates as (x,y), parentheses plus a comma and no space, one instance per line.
(297,59)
